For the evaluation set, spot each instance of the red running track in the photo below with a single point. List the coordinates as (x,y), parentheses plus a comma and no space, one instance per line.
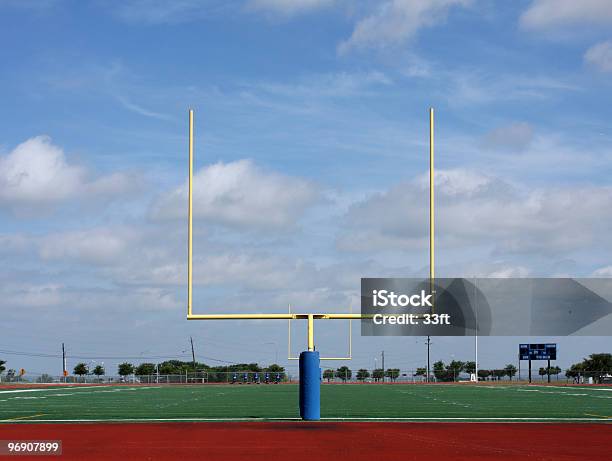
(313,441)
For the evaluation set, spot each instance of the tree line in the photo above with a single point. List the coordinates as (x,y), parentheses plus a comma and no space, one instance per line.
(177,367)
(596,366)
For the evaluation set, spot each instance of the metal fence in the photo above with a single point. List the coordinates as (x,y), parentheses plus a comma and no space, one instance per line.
(248,377)
(328,375)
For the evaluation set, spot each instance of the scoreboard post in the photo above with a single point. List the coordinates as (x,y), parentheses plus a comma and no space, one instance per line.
(538,352)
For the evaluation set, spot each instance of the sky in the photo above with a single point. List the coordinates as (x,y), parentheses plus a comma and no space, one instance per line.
(311,145)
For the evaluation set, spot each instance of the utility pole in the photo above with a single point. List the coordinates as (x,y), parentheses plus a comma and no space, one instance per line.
(530,368)
(383,366)
(431,219)
(428,344)
(193,354)
(64,362)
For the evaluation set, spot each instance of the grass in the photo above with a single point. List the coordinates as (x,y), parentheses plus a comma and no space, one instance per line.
(354,402)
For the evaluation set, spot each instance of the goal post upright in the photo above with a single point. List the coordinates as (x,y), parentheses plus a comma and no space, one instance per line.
(190,221)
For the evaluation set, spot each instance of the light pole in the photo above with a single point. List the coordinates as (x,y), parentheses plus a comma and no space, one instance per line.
(275,350)
(375,368)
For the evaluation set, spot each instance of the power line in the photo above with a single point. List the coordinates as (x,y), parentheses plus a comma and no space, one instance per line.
(105,357)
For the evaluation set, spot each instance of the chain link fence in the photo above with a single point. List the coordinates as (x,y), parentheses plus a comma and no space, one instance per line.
(328,375)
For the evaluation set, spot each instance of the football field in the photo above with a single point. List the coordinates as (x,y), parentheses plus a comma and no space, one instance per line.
(339,402)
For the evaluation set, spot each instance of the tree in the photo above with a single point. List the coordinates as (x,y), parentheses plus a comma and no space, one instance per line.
(575,371)
(510,371)
(125,369)
(344,373)
(453,369)
(99,370)
(484,374)
(554,371)
(362,374)
(499,374)
(274,368)
(392,374)
(81,369)
(543,371)
(2,368)
(597,366)
(420,372)
(439,370)
(378,374)
(328,375)
(145,369)
(470,367)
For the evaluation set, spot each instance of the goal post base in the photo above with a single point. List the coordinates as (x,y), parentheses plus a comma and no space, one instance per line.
(310,386)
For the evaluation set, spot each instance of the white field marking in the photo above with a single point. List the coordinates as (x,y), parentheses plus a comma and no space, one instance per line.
(16,391)
(553,392)
(51,389)
(552,419)
(127,389)
(78,390)
(581,388)
(81,392)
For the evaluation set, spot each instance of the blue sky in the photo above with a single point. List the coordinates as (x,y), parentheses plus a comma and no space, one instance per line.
(311,156)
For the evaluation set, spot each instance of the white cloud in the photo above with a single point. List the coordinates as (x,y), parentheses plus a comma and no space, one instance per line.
(395,21)
(603,272)
(467,87)
(479,211)
(240,194)
(288,7)
(59,296)
(600,55)
(515,136)
(509,272)
(31,295)
(36,174)
(546,14)
(166,12)
(129,105)
(37,171)
(331,85)
(153,12)
(98,246)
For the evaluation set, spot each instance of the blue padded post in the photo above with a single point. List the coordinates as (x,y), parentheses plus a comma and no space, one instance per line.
(310,386)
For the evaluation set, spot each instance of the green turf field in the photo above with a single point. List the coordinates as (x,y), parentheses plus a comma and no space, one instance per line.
(343,402)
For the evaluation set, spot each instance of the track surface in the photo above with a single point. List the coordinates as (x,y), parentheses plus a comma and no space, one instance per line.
(334,441)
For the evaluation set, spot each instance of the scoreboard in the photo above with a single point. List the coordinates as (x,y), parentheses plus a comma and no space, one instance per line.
(537,351)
